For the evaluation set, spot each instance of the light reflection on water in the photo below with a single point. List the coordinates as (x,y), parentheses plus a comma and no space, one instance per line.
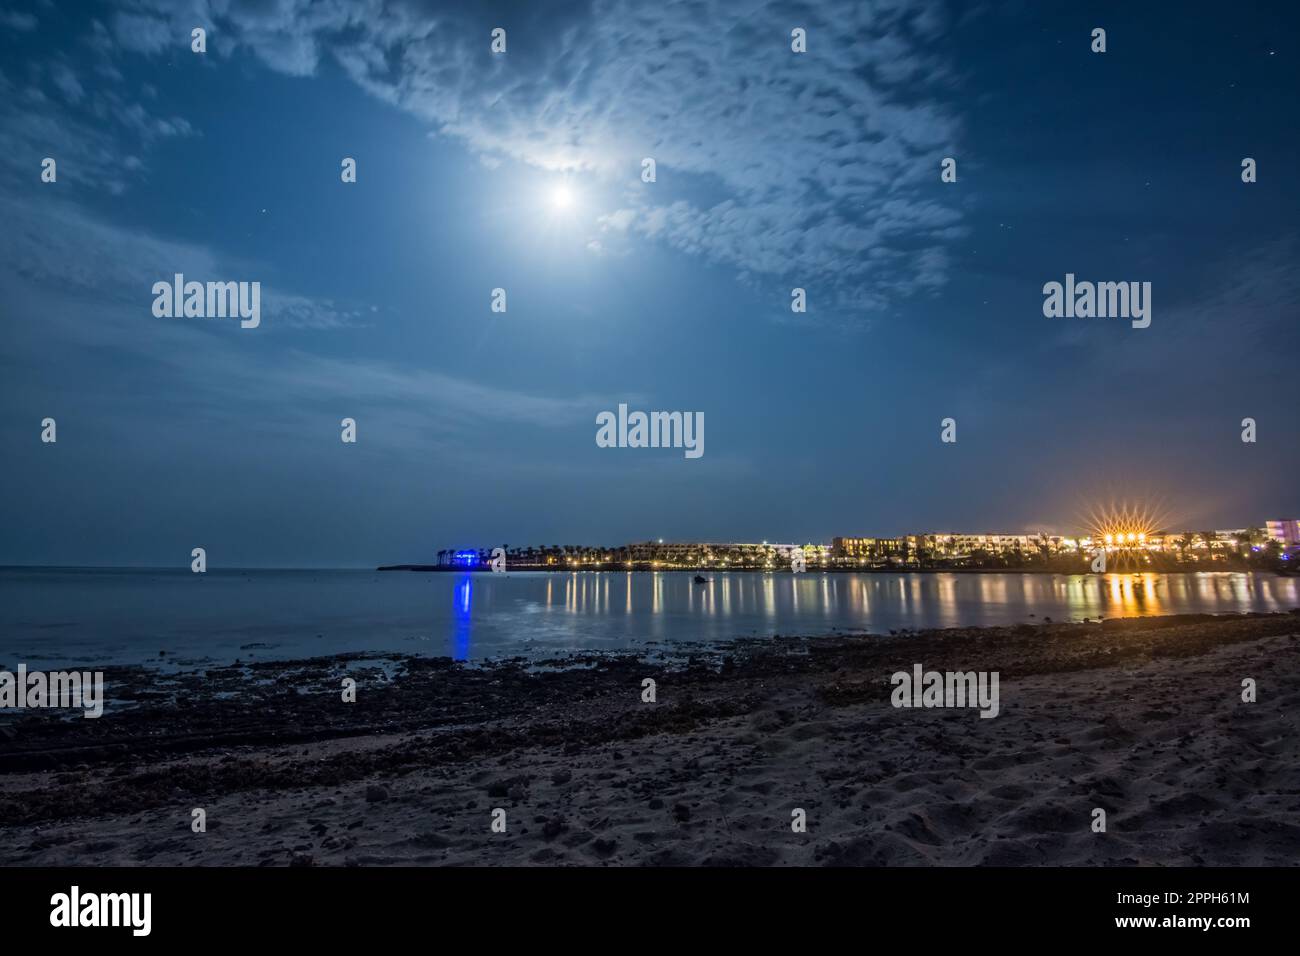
(98,616)
(671,606)
(925,600)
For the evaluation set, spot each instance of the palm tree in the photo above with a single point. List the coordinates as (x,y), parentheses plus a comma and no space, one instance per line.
(1210,540)
(1247,539)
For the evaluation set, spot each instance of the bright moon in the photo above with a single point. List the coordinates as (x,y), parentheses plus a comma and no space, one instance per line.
(562,197)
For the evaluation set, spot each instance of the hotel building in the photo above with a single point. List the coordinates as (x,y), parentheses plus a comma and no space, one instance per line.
(1284,532)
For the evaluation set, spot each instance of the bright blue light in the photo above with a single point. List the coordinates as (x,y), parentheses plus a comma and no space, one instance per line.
(461,613)
(467,558)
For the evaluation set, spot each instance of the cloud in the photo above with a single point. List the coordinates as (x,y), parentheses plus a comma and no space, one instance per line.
(145,34)
(98,138)
(806,170)
(1241,298)
(285,310)
(811,169)
(63,77)
(435,395)
(16,20)
(56,244)
(69,278)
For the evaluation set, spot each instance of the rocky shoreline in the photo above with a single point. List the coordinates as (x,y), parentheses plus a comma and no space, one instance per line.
(1142,717)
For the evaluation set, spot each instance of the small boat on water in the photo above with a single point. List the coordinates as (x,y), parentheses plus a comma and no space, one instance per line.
(701,579)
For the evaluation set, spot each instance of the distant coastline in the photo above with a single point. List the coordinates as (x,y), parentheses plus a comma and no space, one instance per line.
(1124,547)
(1058,566)
(1073,568)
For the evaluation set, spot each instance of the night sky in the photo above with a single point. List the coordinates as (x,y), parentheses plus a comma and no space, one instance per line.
(775,170)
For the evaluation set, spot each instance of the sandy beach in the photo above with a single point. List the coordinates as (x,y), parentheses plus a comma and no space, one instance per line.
(1140,717)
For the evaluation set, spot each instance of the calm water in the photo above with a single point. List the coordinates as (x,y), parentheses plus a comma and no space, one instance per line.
(54,616)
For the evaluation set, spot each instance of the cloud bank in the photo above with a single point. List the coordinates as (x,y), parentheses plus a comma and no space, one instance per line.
(815,169)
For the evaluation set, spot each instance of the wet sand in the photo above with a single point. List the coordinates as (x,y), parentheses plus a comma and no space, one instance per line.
(1142,718)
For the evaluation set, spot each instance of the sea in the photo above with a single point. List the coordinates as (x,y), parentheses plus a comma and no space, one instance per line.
(174,618)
